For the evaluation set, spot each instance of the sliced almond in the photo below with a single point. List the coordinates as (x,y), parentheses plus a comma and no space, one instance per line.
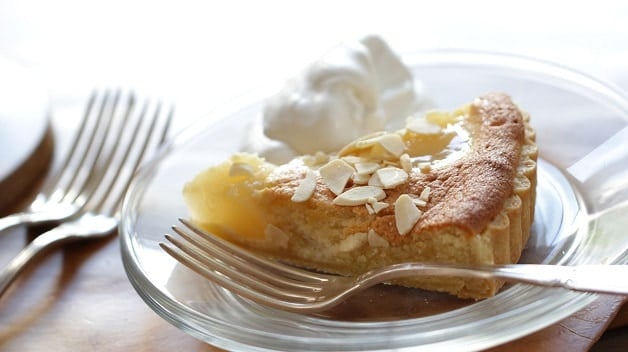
(359,195)
(406,214)
(336,174)
(425,194)
(390,142)
(422,126)
(379,206)
(369,140)
(419,202)
(443,118)
(321,158)
(375,182)
(361,143)
(425,167)
(391,177)
(352,159)
(393,143)
(306,188)
(405,162)
(366,168)
(361,179)
(375,240)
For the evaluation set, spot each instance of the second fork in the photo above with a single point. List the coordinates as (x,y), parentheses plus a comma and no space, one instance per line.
(64,192)
(138,135)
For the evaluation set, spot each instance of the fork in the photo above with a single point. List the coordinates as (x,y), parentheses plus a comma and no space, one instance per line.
(63,194)
(98,217)
(286,287)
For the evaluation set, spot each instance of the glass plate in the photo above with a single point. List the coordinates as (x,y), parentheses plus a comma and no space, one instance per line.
(580,122)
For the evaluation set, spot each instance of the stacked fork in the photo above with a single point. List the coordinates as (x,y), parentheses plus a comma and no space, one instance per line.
(115,136)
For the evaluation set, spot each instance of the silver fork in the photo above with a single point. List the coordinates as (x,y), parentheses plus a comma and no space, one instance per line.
(99,215)
(285,287)
(63,194)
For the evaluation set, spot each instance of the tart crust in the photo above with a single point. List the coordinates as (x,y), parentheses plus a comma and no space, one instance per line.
(480,209)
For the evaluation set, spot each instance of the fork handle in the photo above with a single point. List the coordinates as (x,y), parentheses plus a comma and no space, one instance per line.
(87,226)
(21,261)
(587,278)
(59,212)
(12,220)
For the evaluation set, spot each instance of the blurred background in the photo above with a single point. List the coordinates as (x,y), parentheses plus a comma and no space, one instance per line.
(201,53)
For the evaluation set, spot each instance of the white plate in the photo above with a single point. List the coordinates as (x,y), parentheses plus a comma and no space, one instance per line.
(25,148)
(572,183)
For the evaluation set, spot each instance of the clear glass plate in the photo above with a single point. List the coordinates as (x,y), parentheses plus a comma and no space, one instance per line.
(580,124)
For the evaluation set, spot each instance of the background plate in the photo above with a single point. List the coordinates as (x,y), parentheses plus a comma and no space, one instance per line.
(25,138)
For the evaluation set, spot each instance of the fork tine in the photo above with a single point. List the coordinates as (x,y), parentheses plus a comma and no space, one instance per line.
(230,277)
(233,273)
(127,158)
(84,149)
(219,278)
(53,181)
(142,154)
(284,270)
(103,161)
(247,272)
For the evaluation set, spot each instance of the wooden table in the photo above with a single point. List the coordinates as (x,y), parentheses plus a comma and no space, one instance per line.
(78,298)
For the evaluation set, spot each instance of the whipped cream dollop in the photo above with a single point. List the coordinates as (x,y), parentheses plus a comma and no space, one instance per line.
(354,89)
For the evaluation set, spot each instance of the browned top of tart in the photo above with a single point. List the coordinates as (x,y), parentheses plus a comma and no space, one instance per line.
(464,194)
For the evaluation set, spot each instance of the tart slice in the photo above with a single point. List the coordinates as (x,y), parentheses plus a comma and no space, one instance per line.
(454,187)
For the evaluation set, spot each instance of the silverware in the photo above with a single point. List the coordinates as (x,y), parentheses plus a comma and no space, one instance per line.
(65,192)
(289,288)
(136,137)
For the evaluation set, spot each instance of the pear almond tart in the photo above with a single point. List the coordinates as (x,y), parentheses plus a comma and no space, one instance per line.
(451,187)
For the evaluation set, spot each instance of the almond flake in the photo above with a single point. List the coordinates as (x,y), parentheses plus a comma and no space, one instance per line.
(422,126)
(425,194)
(378,206)
(405,162)
(418,202)
(359,195)
(361,179)
(393,143)
(306,188)
(425,167)
(391,177)
(375,182)
(321,157)
(406,214)
(352,159)
(375,240)
(369,140)
(366,168)
(336,174)
(369,208)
